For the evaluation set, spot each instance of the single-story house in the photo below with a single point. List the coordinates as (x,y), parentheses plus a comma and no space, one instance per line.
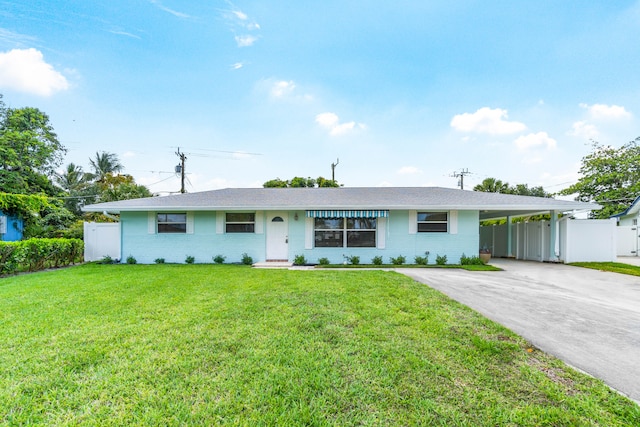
(278,224)
(628,232)
(10,227)
(630,215)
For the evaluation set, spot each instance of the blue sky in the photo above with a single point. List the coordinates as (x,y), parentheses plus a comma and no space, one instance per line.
(404,93)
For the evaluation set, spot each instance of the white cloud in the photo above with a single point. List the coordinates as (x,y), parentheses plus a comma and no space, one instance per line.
(240,23)
(124,33)
(534,140)
(128,154)
(282,88)
(25,70)
(246,40)
(282,91)
(583,130)
(331,121)
(237,65)
(409,170)
(168,10)
(606,112)
(328,120)
(486,120)
(240,15)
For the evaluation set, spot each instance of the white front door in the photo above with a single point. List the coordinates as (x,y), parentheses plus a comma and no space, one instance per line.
(277,236)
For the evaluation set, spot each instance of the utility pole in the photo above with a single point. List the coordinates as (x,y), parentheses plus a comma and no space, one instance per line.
(333,170)
(461,175)
(180,168)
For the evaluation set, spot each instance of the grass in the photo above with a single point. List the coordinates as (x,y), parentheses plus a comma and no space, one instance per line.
(213,344)
(614,267)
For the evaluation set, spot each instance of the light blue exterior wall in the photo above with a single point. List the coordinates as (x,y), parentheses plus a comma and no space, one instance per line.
(203,244)
(398,241)
(14,228)
(206,241)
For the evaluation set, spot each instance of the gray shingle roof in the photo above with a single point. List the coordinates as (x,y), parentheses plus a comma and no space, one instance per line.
(392,198)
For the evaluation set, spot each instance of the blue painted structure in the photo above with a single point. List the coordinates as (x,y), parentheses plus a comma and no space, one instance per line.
(206,240)
(11,228)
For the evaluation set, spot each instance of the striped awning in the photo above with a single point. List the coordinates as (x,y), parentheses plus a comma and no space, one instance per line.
(347,214)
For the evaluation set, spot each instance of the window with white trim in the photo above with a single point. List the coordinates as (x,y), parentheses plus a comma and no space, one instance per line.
(345,232)
(433,222)
(240,222)
(171,222)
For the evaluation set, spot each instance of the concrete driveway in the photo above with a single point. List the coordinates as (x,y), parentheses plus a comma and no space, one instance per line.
(588,318)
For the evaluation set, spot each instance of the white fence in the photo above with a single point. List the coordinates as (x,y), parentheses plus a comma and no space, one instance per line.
(101,240)
(588,240)
(628,238)
(576,240)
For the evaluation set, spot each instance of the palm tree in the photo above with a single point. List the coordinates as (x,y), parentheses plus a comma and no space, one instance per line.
(105,164)
(492,185)
(72,179)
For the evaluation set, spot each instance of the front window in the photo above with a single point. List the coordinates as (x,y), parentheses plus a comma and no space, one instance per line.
(240,222)
(172,222)
(432,222)
(345,232)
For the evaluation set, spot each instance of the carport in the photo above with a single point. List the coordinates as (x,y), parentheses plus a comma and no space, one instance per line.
(560,239)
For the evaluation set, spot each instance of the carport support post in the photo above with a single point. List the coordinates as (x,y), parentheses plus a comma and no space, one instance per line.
(553,256)
(509,237)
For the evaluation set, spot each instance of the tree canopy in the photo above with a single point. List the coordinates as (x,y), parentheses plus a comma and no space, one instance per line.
(493,185)
(29,151)
(299,182)
(104,164)
(103,184)
(610,177)
(30,154)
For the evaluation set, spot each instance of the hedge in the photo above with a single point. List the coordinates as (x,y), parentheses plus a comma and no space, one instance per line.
(38,254)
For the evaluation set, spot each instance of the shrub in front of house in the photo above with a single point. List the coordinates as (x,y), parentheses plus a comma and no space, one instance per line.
(441,260)
(190,260)
(131,260)
(473,260)
(376,260)
(299,260)
(324,261)
(352,259)
(107,260)
(399,260)
(421,260)
(246,259)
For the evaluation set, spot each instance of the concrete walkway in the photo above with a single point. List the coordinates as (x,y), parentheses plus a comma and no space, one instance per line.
(588,318)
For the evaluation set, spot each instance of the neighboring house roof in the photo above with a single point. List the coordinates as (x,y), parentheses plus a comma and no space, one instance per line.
(490,205)
(634,208)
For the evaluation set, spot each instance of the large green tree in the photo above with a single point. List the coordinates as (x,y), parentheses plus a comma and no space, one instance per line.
(610,177)
(299,182)
(29,151)
(493,185)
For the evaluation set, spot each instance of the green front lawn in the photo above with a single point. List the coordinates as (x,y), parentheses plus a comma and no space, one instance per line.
(615,267)
(206,345)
